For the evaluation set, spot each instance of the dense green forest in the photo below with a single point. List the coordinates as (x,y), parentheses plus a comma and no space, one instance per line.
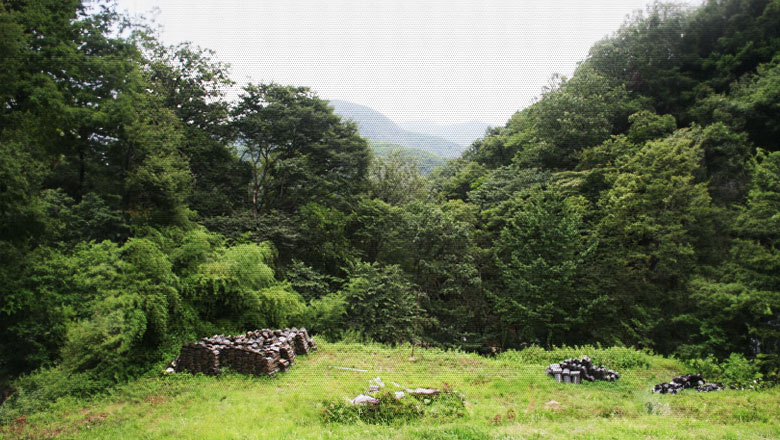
(636,203)
(426,162)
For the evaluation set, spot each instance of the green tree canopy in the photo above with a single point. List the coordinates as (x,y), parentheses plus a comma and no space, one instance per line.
(542,253)
(299,151)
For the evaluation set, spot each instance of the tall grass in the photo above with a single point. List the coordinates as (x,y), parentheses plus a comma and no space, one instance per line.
(612,357)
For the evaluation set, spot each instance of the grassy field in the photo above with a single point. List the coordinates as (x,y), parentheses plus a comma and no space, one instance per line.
(507,397)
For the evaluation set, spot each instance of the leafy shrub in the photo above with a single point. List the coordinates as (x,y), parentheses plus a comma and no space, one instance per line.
(40,389)
(280,306)
(36,311)
(381,302)
(194,247)
(225,286)
(135,297)
(325,316)
(127,306)
(444,406)
(150,275)
(351,336)
(738,371)
(708,367)
(310,283)
(104,342)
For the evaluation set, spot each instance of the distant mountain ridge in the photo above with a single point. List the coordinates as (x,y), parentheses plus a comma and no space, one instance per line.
(464,133)
(378,127)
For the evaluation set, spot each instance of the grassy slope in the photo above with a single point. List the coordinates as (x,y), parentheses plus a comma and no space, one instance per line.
(507,397)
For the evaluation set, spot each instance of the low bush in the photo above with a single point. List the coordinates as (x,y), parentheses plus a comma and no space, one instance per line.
(444,406)
(739,372)
(380,302)
(40,389)
(325,316)
(735,371)
(708,367)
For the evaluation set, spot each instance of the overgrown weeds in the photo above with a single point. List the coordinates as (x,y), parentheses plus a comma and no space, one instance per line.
(613,357)
(447,405)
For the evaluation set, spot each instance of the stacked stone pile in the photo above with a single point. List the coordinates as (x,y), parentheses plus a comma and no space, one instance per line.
(259,352)
(685,381)
(577,370)
(198,357)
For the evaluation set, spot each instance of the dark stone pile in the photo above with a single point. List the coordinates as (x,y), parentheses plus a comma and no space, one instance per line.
(685,381)
(575,370)
(708,387)
(259,352)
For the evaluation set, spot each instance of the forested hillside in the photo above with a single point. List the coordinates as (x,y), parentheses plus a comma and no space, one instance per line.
(636,203)
(426,162)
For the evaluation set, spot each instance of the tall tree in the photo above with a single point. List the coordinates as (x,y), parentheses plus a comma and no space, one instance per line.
(79,135)
(298,149)
(655,214)
(396,179)
(757,253)
(542,253)
(192,85)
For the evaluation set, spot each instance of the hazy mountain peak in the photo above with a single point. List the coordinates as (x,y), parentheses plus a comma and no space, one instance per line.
(462,133)
(375,126)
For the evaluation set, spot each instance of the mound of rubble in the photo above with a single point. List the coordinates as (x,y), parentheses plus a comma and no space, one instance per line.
(577,370)
(260,352)
(376,384)
(686,381)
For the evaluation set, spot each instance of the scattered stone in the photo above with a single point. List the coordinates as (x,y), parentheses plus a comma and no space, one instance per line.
(423,391)
(359,370)
(426,394)
(364,399)
(375,384)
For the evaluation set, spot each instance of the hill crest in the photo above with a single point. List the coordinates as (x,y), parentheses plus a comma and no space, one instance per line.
(375,126)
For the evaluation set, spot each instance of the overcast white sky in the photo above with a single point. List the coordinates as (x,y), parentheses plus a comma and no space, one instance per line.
(443,60)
